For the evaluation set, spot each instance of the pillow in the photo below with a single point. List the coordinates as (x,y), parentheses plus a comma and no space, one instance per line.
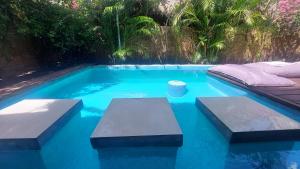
(289,71)
(276,63)
(265,66)
(251,76)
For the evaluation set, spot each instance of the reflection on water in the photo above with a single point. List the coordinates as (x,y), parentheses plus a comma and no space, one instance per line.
(21,160)
(264,155)
(138,158)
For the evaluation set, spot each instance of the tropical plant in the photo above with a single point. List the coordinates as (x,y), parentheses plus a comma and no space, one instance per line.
(213,22)
(136,29)
(4,19)
(120,29)
(122,24)
(55,26)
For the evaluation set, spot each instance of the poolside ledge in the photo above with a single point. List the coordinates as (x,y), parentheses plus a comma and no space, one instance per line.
(28,124)
(137,122)
(241,119)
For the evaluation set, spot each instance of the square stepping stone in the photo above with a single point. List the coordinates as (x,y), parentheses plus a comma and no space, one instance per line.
(241,119)
(137,122)
(28,124)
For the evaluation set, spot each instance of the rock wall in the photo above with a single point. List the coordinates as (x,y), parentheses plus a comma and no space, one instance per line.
(18,54)
(256,46)
(244,48)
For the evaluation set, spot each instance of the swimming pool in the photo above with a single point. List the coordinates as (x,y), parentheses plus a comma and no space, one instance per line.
(203,145)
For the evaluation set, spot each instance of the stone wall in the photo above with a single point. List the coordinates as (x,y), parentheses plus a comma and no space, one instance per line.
(244,48)
(256,46)
(18,54)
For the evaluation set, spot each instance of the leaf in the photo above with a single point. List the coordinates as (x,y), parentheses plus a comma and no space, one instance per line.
(218,45)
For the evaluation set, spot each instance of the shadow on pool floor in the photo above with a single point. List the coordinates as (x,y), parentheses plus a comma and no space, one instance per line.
(138,158)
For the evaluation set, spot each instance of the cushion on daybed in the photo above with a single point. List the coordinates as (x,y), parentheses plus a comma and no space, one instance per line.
(251,76)
(276,63)
(288,70)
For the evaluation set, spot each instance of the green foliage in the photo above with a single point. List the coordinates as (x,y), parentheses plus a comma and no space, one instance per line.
(137,28)
(214,22)
(122,53)
(122,25)
(122,28)
(4,19)
(140,26)
(297,20)
(53,25)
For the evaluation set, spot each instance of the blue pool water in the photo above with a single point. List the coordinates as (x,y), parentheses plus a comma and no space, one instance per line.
(203,146)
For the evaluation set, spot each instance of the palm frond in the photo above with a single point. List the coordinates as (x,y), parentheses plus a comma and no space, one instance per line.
(214,21)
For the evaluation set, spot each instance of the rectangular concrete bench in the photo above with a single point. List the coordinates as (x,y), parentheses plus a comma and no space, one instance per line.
(241,119)
(137,122)
(28,124)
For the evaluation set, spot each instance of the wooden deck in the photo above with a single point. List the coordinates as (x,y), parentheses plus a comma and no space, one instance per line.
(289,96)
(10,88)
